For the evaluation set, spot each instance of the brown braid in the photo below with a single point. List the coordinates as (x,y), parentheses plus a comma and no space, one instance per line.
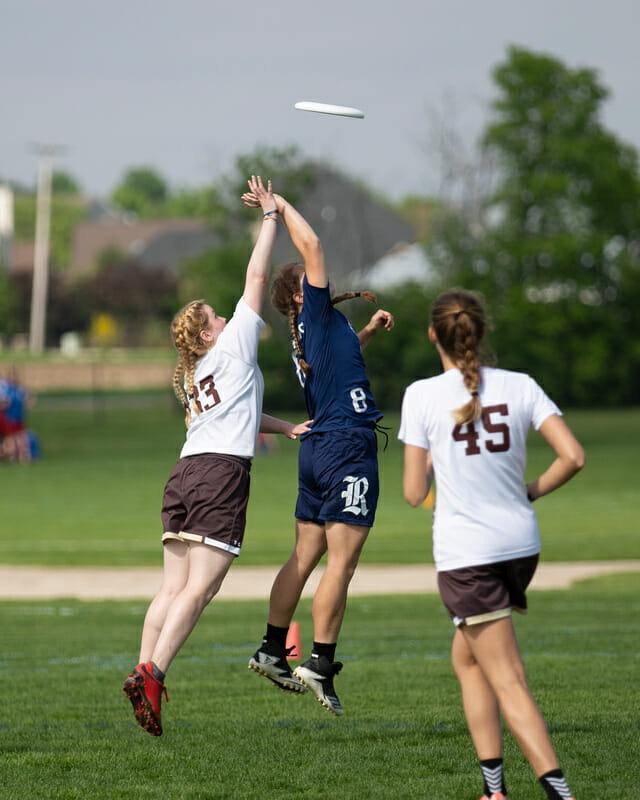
(286,284)
(460,322)
(186,328)
(370,296)
(293,325)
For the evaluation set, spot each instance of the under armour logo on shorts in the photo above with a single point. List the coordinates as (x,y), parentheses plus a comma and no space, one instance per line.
(354,495)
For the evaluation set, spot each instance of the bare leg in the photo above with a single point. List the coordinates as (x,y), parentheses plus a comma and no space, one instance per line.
(478,700)
(495,649)
(344,545)
(207,569)
(310,546)
(176,572)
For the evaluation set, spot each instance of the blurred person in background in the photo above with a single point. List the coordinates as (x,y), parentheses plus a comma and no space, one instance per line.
(17,442)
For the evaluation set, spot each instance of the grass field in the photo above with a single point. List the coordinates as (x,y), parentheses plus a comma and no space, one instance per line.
(67,731)
(94,499)
(66,728)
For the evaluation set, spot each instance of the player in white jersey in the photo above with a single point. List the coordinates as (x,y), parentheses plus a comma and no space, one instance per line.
(468,428)
(205,498)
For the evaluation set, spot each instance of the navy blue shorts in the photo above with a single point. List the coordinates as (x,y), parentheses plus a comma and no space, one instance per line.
(338,477)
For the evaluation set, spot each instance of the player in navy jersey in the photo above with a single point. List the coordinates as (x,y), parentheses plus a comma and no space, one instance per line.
(337,463)
(468,426)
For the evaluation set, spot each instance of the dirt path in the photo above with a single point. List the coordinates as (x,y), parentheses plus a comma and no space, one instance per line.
(124,583)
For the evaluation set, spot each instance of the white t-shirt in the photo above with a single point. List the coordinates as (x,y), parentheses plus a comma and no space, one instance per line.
(482,514)
(229,388)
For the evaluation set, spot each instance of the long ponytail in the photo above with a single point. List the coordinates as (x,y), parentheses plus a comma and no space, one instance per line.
(460,322)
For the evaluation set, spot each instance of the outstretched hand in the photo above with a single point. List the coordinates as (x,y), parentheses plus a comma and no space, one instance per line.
(296,430)
(381,319)
(259,196)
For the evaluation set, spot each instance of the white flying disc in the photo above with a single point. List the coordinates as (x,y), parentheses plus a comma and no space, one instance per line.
(327,108)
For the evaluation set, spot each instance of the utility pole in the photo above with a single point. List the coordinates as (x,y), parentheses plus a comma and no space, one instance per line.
(40,285)
(6,227)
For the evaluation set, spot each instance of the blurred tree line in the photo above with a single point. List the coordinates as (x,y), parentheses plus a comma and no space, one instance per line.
(554,246)
(545,223)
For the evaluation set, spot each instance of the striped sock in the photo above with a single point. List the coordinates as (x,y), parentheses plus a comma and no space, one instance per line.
(493,774)
(555,785)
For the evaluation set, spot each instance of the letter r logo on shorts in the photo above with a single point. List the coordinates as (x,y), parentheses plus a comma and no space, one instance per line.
(354,495)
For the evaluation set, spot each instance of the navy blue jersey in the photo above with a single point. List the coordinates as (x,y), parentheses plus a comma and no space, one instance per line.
(337,392)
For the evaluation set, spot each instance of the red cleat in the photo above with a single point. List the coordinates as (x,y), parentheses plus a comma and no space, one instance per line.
(145,693)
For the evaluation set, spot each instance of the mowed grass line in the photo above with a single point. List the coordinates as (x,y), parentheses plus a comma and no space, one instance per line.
(95,497)
(67,731)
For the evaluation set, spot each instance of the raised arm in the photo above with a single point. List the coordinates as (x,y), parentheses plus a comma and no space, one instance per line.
(259,267)
(306,241)
(569,457)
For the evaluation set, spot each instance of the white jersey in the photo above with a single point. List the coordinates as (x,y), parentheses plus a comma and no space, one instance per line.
(482,514)
(228,390)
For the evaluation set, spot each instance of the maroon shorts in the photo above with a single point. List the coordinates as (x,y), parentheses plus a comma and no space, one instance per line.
(487,592)
(205,500)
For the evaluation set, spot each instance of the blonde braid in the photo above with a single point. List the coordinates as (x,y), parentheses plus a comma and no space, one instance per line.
(189,371)
(179,391)
(186,328)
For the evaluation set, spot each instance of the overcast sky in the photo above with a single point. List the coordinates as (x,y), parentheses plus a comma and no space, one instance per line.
(186,85)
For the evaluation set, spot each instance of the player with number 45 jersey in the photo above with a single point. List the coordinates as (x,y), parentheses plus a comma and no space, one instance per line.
(337,467)
(468,428)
